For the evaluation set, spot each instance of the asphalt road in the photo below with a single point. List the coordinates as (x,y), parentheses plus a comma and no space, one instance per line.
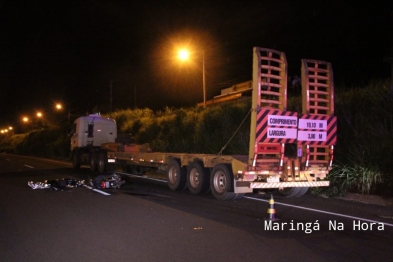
(145,221)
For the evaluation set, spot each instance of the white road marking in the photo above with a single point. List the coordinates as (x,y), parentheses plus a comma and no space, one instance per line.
(289,205)
(28,166)
(99,191)
(320,211)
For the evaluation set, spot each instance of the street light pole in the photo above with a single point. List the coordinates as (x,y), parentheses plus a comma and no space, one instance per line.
(183,55)
(110,99)
(203,78)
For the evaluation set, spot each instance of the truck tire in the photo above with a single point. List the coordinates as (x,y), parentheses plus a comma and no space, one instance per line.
(302,192)
(93,162)
(102,162)
(293,191)
(176,175)
(76,160)
(198,178)
(221,182)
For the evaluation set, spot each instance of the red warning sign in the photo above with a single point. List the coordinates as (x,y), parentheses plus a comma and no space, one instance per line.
(267,148)
(276,126)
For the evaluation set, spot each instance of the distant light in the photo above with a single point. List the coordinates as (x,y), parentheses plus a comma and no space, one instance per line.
(25,119)
(39,114)
(10,128)
(59,106)
(183,54)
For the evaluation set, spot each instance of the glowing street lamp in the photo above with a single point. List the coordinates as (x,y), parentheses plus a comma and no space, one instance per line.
(25,119)
(59,107)
(39,114)
(183,54)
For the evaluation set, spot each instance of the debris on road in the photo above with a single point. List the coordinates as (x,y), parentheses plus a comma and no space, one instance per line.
(112,181)
(107,181)
(56,184)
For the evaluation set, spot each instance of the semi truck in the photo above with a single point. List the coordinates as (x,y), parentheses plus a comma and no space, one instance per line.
(288,151)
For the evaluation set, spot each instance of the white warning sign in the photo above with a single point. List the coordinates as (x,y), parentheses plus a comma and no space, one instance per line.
(290,121)
(282,133)
(312,124)
(311,136)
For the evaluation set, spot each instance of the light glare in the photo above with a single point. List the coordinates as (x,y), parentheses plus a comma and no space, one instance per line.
(183,54)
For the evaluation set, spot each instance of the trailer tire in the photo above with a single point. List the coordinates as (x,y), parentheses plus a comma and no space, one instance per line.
(198,178)
(176,175)
(293,191)
(102,162)
(76,160)
(302,192)
(221,182)
(93,162)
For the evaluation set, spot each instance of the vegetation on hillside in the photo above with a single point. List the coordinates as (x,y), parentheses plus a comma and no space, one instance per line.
(191,130)
(363,156)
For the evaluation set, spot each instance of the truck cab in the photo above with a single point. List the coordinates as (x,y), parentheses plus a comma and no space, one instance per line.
(88,135)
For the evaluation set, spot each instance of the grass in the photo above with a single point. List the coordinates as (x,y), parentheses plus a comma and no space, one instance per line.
(355,178)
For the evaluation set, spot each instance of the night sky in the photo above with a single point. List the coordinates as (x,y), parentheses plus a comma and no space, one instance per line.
(71,51)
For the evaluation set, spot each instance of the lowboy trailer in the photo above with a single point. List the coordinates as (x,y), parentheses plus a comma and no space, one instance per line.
(288,151)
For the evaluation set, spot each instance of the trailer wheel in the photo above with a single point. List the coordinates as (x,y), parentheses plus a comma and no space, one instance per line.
(198,178)
(93,162)
(102,162)
(176,175)
(221,182)
(293,191)
(76,160)
(302,192)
